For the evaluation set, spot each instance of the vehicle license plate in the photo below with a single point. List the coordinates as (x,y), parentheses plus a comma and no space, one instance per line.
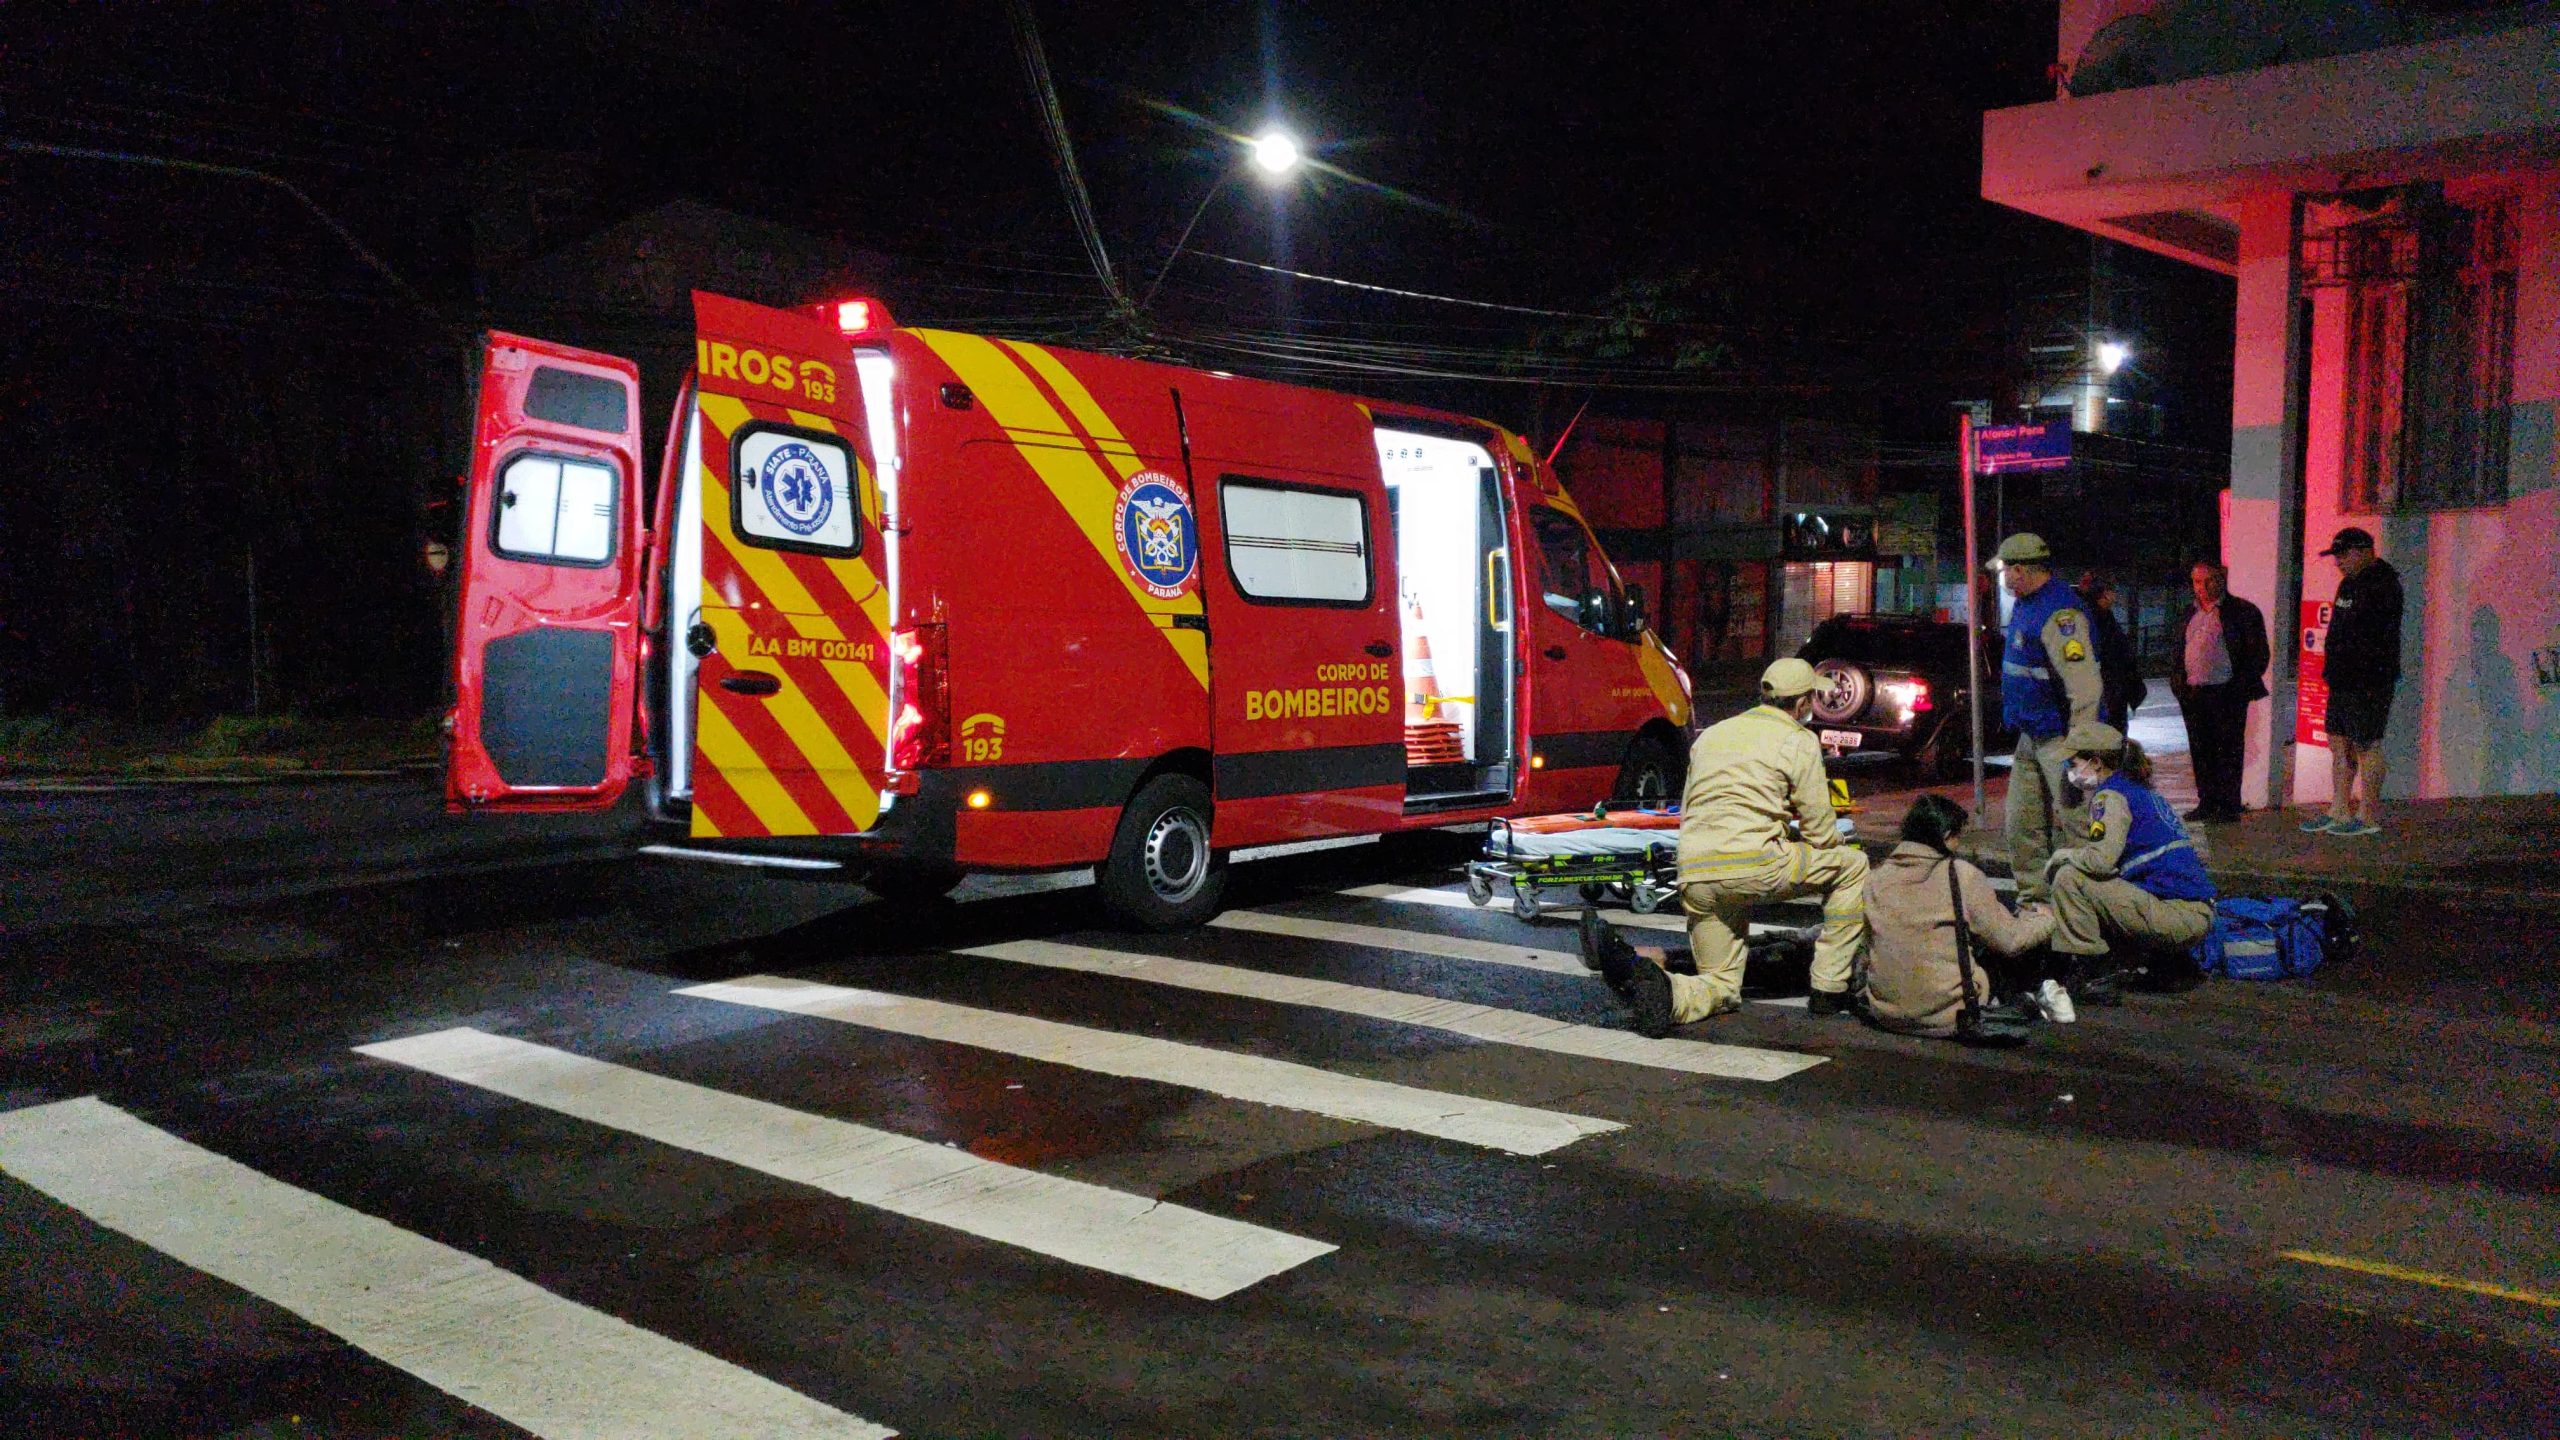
(1842,739)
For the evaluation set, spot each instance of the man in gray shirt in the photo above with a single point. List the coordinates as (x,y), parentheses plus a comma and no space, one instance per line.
(2223,670)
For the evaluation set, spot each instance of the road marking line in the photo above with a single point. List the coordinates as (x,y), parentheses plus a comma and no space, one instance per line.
(1131,1235)
(1457,900)
(2425,1277)
(1492,1123)
(1457,1017)
(481,1334)
(1418,942)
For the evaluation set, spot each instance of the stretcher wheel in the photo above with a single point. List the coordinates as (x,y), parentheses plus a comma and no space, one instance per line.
(1479,887)
(1524,899)
(1645,899)
(1593,892)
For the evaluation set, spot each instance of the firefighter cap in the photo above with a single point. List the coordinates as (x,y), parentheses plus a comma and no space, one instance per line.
(2094,737)
(2024,548)
(1786,679)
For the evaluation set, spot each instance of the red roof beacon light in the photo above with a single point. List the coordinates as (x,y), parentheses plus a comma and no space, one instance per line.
(858,317)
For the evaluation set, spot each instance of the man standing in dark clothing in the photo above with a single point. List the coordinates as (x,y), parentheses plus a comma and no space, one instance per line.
(2121,691)
(2222,668)
(2362,665)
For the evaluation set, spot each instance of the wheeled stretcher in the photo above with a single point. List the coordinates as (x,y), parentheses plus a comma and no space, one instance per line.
(1628,855)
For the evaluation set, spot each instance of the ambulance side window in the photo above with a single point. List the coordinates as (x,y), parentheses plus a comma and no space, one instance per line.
(1293,544)
(556,510)
(1573,578)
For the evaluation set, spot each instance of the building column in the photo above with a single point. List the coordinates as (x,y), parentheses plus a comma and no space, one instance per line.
(2262,539)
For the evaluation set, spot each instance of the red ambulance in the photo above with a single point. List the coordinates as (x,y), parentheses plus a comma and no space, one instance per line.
(909,603)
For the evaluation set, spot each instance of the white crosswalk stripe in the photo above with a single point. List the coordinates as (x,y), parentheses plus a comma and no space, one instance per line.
(1517,1129)
(535,1359)
(1418,942)
(1476,1022)
(1131,1235)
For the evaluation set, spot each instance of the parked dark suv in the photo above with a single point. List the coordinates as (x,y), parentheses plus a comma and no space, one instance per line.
(1897,683)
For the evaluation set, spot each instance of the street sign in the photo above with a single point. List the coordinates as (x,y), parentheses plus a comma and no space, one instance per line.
(2311,693)
(2008,449)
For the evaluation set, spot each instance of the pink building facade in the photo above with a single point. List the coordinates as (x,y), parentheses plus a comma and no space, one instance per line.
(2383,185)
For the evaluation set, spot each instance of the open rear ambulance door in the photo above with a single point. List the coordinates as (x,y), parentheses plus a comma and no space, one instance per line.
(547,636)
(790,638)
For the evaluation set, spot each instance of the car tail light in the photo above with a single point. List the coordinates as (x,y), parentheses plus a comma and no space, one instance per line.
(919,704)
(1912,695)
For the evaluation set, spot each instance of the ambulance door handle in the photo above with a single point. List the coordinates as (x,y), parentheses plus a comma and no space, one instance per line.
(751,682)
(1191,622)
(1555,652)
(1379,648)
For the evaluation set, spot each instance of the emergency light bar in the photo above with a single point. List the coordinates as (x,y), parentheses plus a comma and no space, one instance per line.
(857,317)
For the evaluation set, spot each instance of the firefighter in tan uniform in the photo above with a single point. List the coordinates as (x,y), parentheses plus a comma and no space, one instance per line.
(2049,683)
(1750,779)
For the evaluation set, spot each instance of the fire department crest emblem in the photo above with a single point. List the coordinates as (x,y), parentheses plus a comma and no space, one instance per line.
(798,491)
(1158,541)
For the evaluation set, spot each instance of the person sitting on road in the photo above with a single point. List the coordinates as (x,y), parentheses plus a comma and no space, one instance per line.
(2138,883)
(1750,778)
(1916,983)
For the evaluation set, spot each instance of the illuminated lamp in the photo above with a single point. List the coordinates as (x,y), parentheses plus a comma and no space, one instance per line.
(858,316)
(980,799)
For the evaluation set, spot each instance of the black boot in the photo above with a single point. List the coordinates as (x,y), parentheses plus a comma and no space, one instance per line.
(1831,1002)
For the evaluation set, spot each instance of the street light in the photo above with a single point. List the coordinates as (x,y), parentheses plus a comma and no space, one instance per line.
(1275,153)
(2111,356)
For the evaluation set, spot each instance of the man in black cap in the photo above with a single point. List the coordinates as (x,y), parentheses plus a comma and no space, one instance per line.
(2362,666)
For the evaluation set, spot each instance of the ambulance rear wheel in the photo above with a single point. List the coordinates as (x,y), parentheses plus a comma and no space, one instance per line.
(1162,875)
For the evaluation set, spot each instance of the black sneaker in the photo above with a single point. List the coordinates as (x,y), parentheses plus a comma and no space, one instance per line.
(1595,939)
(1613,957)
(2016,1010)
(2106,989)
(2201,812)
(1647,992)
(1830,1002)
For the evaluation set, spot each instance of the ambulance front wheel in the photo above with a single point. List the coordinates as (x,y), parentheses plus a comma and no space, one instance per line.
(1162,875)
(1651,774)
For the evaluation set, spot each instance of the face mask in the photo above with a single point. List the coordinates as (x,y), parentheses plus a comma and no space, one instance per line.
(2083,775)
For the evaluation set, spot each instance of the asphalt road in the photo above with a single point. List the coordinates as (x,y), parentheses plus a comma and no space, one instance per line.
(859,1182)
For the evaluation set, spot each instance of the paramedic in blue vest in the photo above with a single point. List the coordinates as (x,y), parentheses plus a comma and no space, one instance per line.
(2049,682)
(2138,883)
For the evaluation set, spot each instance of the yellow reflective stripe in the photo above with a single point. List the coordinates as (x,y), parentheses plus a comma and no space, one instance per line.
(1107,438)
(740,765)
(798,607)
(1074,479)
(703,829)
(821,749)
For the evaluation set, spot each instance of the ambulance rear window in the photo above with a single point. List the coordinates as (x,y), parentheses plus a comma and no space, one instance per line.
(566,397)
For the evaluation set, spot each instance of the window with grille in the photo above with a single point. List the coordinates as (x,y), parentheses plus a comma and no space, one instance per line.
(2430,358)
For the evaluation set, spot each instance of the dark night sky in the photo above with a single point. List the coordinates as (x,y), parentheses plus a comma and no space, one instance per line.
(1817,157)
(216,380)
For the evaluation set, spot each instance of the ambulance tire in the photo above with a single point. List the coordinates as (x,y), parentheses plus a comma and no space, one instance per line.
(1161,874)
(1650,775)
(909,883)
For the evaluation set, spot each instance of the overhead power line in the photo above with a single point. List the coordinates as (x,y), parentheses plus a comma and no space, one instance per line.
(1062,151)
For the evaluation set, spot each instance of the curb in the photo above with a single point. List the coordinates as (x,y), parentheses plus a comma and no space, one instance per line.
(104,781)
(2243,879)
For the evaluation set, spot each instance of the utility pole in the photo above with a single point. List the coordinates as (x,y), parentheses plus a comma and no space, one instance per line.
(1972,603)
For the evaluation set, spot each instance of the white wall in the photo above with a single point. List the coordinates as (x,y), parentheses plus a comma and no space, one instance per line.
(2483,584)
